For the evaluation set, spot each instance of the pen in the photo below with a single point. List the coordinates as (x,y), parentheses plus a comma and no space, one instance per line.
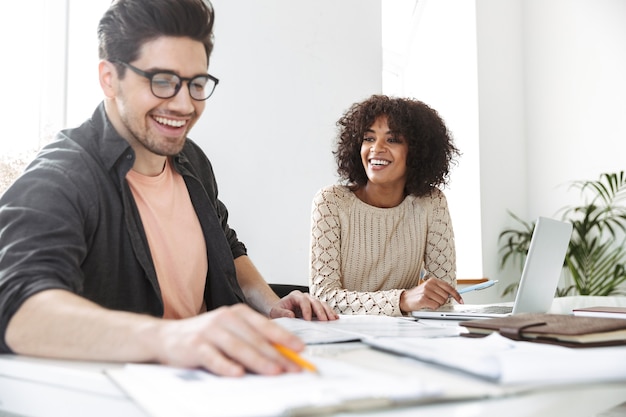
(294,357)
(480,286)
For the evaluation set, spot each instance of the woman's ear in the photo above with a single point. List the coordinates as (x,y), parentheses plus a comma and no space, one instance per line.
(108,78)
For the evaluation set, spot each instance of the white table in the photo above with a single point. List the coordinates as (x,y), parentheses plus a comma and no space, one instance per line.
(40,387)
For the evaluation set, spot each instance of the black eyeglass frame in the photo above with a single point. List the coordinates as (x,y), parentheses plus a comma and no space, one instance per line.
(151,75)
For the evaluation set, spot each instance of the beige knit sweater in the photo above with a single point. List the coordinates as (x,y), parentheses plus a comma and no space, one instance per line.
(362,257)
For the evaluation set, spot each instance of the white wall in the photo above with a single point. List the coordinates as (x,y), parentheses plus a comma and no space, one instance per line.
(576,95)
(503,168)
(552,97)
(287,69)
(83,87)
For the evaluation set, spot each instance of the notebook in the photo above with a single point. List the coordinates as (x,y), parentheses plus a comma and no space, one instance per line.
(538,283)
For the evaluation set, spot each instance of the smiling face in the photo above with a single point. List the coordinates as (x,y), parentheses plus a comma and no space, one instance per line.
(384,154)
(155,127)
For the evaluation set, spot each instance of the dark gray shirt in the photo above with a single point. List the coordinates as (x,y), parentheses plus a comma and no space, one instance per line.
(70,222)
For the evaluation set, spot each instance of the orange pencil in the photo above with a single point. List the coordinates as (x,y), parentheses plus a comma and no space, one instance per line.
(294,357)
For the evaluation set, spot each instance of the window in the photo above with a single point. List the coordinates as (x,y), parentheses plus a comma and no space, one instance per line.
(50,75)
(28,74)
(429,53)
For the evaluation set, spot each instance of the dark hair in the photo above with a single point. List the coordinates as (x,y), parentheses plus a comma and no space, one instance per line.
(128,24)
(431,148)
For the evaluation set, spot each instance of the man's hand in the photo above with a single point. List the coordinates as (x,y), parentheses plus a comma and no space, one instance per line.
(228,341)
(299,304)
(260,296)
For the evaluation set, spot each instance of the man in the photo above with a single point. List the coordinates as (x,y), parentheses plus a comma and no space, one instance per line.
(113,243)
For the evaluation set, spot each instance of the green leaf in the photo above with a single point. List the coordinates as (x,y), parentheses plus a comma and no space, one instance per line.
(595,260)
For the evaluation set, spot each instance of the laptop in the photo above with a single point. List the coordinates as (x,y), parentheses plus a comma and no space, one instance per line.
(538,283)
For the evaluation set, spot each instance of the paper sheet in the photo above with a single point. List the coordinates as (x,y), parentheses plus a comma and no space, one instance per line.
(510,362)
(357,327)
(166,391)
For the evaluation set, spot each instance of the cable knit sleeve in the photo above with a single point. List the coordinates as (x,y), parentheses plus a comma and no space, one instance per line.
(440,255)
(325,278)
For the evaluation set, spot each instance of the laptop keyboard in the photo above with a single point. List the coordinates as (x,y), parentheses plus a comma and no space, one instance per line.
(490,310)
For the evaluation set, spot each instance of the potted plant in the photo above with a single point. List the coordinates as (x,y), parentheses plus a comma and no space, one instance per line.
(595,263)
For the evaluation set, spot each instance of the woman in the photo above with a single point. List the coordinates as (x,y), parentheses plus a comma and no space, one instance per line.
(383,242)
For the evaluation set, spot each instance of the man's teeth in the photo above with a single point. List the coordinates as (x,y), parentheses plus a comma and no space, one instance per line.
(379,162)
(170,122)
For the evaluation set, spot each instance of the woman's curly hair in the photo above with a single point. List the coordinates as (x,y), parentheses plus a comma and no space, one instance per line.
(431,148)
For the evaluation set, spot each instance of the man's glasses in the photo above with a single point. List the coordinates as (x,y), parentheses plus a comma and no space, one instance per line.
(166,84)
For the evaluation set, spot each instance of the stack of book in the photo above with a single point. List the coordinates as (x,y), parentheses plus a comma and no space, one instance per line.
(560,329)
(601,311)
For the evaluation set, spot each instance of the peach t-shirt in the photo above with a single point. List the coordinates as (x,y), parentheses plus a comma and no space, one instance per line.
(175,237)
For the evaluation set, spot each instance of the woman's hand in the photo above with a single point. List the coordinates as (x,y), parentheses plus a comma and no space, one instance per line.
(431,293)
